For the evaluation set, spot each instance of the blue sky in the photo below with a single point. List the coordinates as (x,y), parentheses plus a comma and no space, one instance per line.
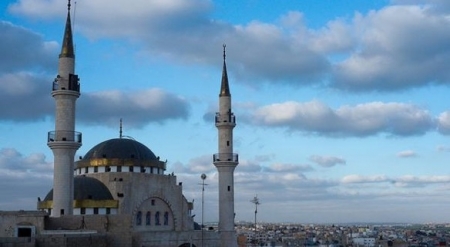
(342,106)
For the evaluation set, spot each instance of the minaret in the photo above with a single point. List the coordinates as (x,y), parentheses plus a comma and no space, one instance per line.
(225,162)
(64,141)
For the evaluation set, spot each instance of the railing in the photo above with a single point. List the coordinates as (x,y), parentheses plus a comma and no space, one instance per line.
(226,157)
(74,84)
(64,135)
(226,118)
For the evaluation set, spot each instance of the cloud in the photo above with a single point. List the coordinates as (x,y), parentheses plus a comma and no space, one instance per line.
(444,123)
(173,29)
(23,49)
(195,166)
(16,87)
(442,148)
(24,67)
(402,181)
(138,108)
(391,56)
(406,154)
(288,168)
(327,161)
(349,179)
(27,177)
(379,51)
(372,118)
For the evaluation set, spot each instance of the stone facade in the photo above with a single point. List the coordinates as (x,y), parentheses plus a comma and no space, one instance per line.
(92,231)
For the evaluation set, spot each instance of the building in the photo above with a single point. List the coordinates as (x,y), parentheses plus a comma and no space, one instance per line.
(118,194)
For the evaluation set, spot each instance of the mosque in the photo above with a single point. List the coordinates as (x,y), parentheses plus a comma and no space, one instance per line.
(118,194)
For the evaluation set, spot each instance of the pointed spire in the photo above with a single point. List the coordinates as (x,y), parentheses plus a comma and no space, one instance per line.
(224,88)
(67,45)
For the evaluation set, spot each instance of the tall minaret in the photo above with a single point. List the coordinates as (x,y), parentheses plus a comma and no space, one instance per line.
(225,162)
(64,141)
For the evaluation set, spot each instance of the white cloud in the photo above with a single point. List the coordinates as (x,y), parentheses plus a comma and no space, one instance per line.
(391,56)
(14,88)
(26,178)
(444,123)
(360,120)
(288,168)
(137,107)
(378,51)
(406,154)
(327,161)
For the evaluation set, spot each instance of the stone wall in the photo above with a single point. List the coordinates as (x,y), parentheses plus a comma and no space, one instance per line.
(175,239)
(116,229)
(73,240)
(10,220)
(17,242)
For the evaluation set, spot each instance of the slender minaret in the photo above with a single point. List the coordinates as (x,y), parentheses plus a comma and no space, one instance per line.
(225,162)
(64,141)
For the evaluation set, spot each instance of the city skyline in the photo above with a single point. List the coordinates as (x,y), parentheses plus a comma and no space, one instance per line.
(340,106)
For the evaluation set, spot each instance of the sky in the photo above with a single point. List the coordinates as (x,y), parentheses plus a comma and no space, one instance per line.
(342,107)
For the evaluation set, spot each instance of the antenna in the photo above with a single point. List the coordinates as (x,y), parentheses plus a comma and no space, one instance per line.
(74,16)
(120,129)
(224,55)
(73,26)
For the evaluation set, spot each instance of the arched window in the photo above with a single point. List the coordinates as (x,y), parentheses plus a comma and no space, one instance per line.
(148,218)
(157,219)
(139,218)
(166,218)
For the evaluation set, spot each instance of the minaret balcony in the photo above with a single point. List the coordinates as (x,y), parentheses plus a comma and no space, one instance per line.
(64,136)
(226,157)
(225,119)
(73,85)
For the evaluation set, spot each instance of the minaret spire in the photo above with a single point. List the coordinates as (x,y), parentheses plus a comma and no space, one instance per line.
(224,88)
(67,49)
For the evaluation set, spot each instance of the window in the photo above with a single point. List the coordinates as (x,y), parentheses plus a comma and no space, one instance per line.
(62,211)
(82,210)
(139,218)
(131,168)
(148,218)
(95,168)
(119,169)
(229,188)
(157,219)
(166,218)
(86,170)
(95,210)
(107,169)
(108,211)
(153,202)
(24,231)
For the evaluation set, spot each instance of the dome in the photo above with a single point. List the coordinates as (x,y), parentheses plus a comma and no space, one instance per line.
(120,148)
(87,188)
